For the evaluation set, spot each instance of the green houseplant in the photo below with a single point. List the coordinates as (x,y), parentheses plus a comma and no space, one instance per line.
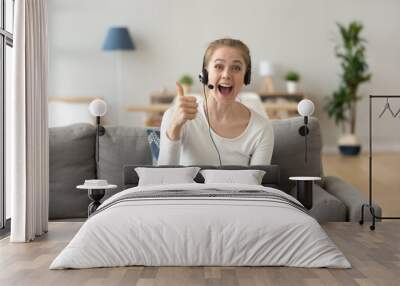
(342,105)
(186,81)
(292,78)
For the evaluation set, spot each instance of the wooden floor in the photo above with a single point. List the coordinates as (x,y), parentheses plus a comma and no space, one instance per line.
(374,255)
(386,177)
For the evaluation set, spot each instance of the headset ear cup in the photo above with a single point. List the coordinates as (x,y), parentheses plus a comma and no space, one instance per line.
(247,77)
(204,77)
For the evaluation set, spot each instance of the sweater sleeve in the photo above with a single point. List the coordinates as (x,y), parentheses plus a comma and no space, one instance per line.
(169,149)
(263,153)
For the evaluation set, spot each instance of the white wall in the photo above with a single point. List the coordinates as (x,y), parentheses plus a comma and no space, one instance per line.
(171,37)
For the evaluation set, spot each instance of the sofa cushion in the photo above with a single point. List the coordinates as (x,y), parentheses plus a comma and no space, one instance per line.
(325,206)
(289,150)
(72,160)
(119,146)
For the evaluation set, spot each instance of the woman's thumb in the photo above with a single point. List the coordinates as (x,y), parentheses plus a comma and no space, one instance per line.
(179,89)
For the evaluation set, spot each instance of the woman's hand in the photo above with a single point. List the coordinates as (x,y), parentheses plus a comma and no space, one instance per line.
(186,109)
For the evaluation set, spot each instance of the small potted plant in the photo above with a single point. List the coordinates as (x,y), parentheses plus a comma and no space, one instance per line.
(342,104)
(292,78)
(186,81)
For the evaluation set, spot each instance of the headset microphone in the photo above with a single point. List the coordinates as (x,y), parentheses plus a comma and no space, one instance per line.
(203,77)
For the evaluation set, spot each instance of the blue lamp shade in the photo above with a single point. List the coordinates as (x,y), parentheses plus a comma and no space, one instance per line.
(118,38)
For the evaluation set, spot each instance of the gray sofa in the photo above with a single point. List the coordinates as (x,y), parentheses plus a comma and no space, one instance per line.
(72,160)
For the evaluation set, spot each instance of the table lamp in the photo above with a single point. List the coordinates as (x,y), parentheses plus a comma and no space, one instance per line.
(305,109)
(98,108)
(118,40)
(267,71)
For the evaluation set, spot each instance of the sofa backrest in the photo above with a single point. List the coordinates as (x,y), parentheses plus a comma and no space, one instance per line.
(123,145)
(289,148)
(71,160)
(119,146)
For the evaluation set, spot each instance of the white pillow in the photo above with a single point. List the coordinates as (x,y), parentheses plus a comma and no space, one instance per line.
(248,177)
(164,176)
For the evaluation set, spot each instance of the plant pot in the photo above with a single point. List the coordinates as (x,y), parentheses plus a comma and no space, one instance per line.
(350,150)
(349,145)
(291,86)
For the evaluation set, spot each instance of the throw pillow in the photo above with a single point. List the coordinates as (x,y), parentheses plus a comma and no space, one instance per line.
(163,176)
(248,177)
(153,136)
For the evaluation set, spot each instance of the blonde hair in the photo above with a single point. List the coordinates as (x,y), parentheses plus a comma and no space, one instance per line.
(227,42)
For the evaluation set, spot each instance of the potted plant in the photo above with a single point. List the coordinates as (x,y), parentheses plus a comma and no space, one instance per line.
(186,81)
(292,78)
(341,106)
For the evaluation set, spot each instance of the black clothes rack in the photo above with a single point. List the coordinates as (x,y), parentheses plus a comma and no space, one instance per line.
(369,205)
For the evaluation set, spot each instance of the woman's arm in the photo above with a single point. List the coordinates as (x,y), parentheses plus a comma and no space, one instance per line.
(263,153)
(169,149)
(172,127)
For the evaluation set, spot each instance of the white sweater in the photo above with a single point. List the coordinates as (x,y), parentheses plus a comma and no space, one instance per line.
(253,147)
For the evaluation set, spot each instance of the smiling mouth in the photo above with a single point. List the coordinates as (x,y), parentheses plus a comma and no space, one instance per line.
(225,90)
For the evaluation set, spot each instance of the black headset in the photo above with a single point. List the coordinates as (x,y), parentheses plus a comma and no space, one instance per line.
(203,76)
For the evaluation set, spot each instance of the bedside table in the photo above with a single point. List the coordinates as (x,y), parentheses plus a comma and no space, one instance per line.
(304,190)
(95,194)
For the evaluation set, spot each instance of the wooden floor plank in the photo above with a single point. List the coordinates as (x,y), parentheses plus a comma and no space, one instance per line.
(374,255)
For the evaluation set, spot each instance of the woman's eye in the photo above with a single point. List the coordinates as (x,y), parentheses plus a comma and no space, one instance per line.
(237,68)
(219,67)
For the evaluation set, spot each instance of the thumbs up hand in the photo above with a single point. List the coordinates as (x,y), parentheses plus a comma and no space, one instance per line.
(186,109)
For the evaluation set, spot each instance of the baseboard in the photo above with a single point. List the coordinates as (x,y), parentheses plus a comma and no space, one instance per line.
(384,148)
(69,220)
(329,150)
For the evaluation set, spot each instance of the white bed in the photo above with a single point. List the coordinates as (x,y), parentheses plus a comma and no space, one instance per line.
(183,230)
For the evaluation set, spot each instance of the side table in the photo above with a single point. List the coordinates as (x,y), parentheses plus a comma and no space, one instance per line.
(95,194)
(304,190)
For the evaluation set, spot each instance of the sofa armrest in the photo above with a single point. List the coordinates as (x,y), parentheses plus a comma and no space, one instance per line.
(351,197)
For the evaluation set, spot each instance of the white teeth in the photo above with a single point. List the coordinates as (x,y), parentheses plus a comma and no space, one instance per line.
(225,85)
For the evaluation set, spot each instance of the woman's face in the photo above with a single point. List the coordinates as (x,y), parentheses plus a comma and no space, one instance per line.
(226,70)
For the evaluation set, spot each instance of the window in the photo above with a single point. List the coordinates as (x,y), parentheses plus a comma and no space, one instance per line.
(6,43)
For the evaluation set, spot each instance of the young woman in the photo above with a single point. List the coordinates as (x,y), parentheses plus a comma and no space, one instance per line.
(217,130)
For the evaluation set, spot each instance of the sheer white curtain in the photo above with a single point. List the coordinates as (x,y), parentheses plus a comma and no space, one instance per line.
(27,123)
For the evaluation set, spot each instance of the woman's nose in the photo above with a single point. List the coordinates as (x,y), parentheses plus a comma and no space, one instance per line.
(226,73)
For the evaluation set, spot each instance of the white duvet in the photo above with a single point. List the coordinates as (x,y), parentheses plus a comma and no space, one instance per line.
(200,231)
